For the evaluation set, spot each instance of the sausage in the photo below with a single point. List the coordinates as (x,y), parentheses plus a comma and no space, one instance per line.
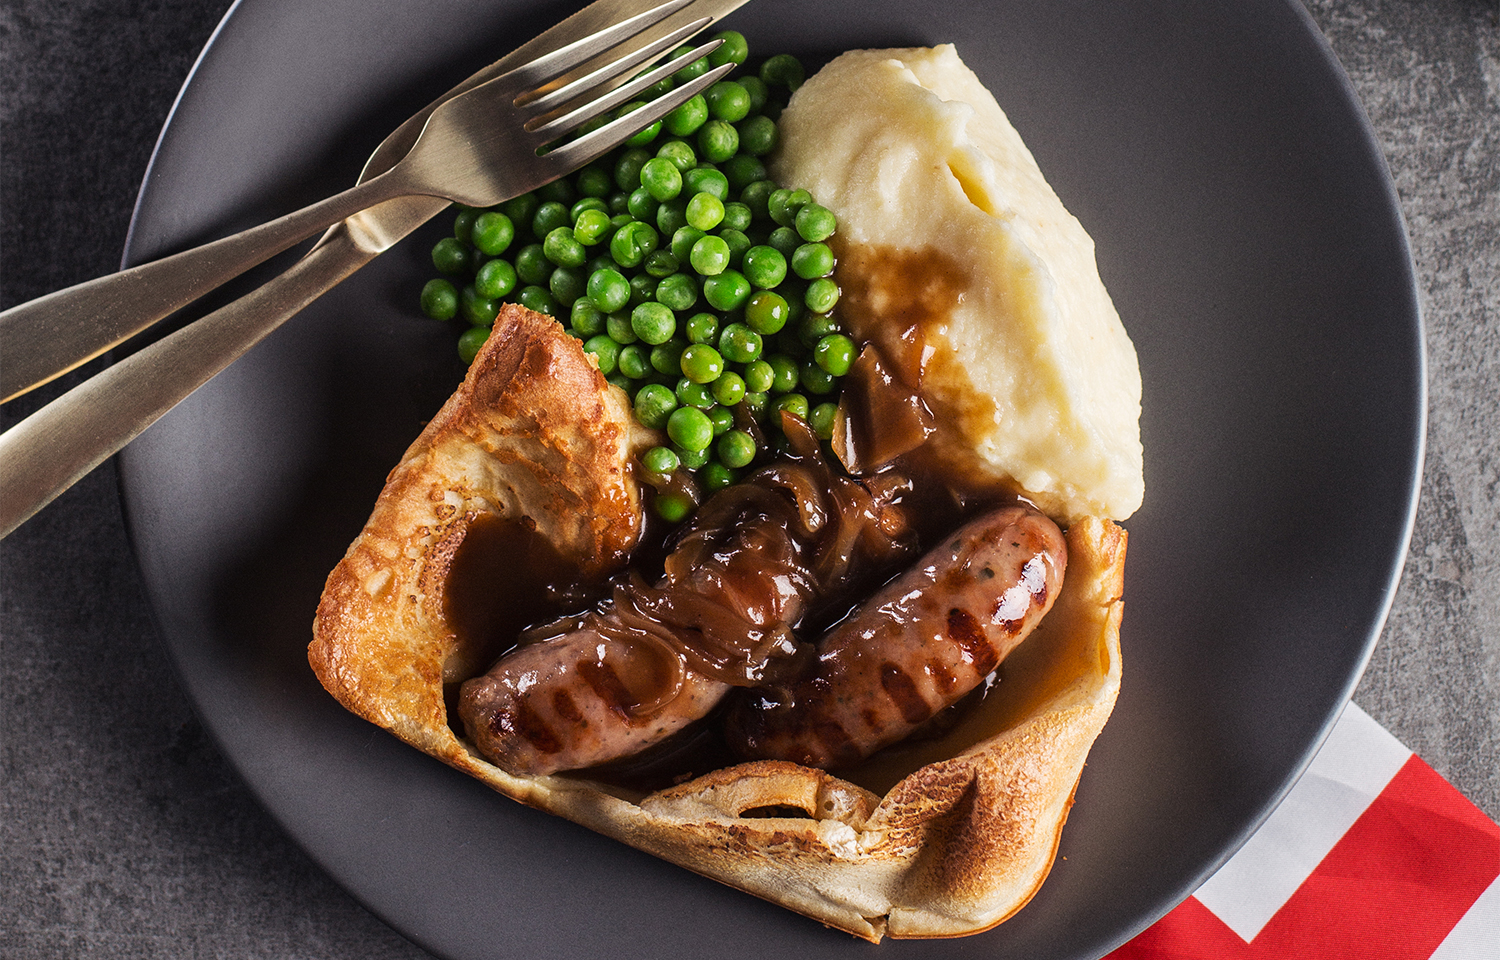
(919,645)
(608,683)
(582,699)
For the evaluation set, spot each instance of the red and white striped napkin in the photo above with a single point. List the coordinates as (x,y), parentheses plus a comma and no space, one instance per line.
(1372,855)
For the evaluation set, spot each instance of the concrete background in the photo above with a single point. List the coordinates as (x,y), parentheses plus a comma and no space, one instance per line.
(124,834)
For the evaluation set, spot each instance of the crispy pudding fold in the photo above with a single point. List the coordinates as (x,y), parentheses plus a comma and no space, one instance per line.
(530,461)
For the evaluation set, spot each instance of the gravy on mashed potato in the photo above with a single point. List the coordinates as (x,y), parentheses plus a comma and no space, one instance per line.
(959,262)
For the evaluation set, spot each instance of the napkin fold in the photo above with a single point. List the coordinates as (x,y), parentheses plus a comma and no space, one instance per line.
(1371,855)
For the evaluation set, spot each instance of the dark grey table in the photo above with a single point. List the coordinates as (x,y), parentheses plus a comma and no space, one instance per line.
(122,832)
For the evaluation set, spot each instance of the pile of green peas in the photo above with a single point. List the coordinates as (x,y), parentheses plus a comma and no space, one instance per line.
(699,286)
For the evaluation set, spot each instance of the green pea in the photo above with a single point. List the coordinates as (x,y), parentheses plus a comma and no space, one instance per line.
(605,351)
(734,49)
(693,70)
(756,404)
(591,227)
(814,328)
(619,205)
(672,216)
(718,140)
(784,205)
(477,310)
(495,279)
(766,312)
(821,418)
(521,209)
(706,180)
(653,322)
(758,135)
(642,289)
(702,328)
(721,417)
(680,154)
(704,211)
(758,91)
(677,291)
(617,327)
(470,341)
(815,222)
(661,179)
(736,449)
(672,507)
(701,363)
(765,267)
(644,135)
(440,299)
(641,205)
(683,240)
(548,217)
(690,428)
(660,460)
(595,181)
(654,404)
(666,358)
(835,353)
(538,298)
(737,242)
(587,203)
(532,265)
(740,344)
(635,362)
(793,403)
(557,191)
(659,264)
(687,118)
(631,244)
(822,295)
(759,376)
(451,255)
(728,101)
(690,394)
(693,459)
(783,70)
(757,196)
(812,260)
(587,319)
(726,291)
(710,257)
(566,285)
(715,476)
(737,216)
(787,373)
(493,232)
(729,389)
(743,169)
(816,380)
(784,240)
(463,225)
(563,249)
(608,289)
(628,168)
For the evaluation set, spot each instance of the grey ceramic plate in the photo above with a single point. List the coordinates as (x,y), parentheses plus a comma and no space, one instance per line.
(1249,234)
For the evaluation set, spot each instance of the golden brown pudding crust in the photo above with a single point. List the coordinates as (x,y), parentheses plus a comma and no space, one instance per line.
(941,838)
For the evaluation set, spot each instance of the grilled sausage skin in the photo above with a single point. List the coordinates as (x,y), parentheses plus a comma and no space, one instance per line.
(925,640)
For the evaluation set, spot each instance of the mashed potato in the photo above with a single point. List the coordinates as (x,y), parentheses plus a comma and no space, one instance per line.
(953,241)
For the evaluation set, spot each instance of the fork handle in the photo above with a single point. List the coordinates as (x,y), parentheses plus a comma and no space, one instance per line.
(52,449)
(51,335)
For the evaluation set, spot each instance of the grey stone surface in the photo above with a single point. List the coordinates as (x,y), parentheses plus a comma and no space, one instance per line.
(124,834)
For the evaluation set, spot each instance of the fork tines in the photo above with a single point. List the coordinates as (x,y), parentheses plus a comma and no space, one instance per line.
(595,143)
